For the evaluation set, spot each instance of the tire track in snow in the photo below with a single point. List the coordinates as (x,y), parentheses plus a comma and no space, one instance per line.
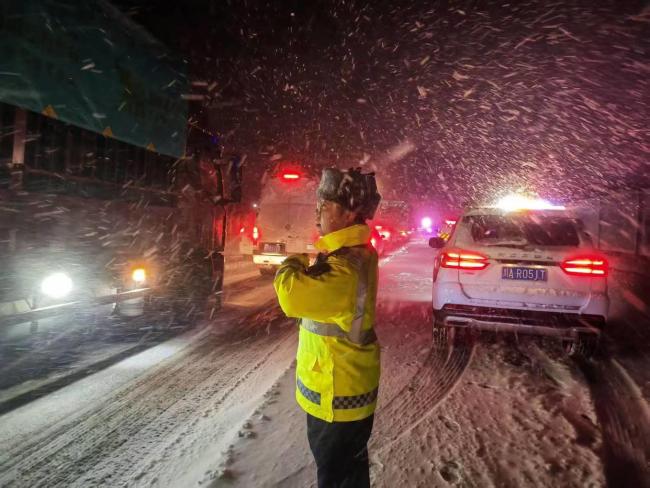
(569,392)
(56,439)
(68,451)
(144,384)
(434,380)
(205,401)
(125,406)
(624,417)
(126,420)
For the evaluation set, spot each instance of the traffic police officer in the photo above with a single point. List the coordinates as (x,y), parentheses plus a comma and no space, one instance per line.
(337,373)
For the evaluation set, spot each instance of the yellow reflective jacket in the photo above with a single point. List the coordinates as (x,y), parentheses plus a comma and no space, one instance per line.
(337,373)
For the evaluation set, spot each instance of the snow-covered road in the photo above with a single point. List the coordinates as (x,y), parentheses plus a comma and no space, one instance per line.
(496,413)
(159,416)
(214,407)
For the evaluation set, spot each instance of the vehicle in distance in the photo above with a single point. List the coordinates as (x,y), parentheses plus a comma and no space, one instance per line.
(286,220)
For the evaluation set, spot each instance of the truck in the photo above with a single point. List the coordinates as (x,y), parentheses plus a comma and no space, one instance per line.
(109,212)
(286,218)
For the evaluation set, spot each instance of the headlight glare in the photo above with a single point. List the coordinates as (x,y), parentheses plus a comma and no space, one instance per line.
(139,275)
(56,285)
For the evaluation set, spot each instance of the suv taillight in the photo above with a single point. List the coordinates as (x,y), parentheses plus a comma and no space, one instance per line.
(585,266)
(461,259)
(256,235)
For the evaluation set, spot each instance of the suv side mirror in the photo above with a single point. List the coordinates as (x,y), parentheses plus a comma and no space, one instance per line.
(437,242)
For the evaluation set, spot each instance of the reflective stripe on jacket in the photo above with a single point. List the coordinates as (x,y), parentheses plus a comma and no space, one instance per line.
(337,372)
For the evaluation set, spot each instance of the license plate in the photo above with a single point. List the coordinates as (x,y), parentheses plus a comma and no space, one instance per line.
(524,274)
(273,248)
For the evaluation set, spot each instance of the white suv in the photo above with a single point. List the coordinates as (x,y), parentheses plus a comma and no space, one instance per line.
(532,271)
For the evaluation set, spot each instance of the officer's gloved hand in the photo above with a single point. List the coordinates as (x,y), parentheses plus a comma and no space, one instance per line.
(297,261)
(319,267)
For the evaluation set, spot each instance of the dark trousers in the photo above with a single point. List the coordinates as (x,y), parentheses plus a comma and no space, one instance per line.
(341,452)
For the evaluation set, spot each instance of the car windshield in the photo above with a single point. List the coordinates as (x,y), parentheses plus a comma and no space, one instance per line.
(523,230)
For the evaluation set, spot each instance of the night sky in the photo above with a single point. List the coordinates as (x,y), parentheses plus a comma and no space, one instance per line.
(451,101)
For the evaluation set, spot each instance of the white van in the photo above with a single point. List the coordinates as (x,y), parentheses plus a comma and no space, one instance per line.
(286,220)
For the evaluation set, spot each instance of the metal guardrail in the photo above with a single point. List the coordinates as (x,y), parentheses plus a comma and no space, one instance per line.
(54,310)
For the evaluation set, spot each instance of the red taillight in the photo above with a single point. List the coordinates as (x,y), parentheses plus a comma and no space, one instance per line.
(373,241)
(290,176)
(461,259)
(256,234)
(585,266)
